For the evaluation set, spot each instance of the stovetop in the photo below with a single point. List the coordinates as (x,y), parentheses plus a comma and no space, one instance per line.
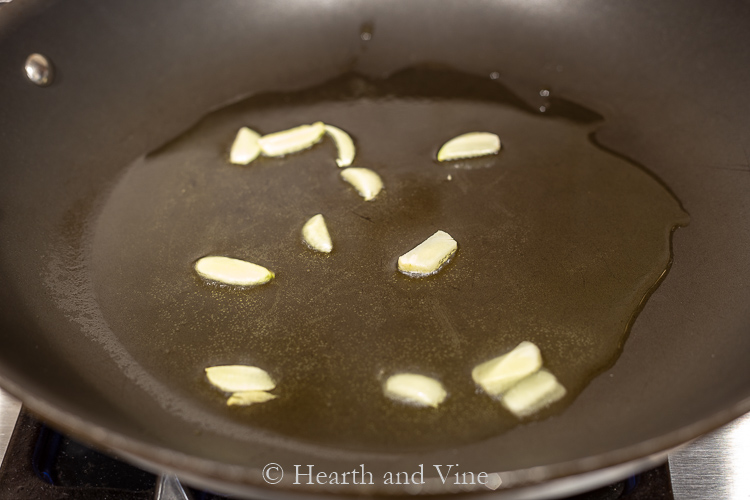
(40,464)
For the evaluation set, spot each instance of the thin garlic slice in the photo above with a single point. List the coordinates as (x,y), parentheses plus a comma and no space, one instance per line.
(415,389)
(245,147)
(239,378)
(315,234)
(247,398)
(344,145)
(232,271)
(533,393)
(469,145)
(292,140)
(427,257)
(367,183)
(498,375)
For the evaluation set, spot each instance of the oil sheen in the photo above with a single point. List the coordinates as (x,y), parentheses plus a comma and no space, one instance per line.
(560,243)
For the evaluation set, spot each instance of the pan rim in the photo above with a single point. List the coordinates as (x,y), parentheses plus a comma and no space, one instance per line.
(633,458)
(155,457)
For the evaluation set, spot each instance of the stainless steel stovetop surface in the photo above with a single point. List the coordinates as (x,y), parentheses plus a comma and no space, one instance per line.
(9,408)
(716,466)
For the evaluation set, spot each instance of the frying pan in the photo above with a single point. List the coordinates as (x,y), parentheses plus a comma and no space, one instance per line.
(669,77)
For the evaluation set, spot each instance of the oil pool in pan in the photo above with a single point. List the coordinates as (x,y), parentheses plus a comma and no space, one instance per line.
(560,243)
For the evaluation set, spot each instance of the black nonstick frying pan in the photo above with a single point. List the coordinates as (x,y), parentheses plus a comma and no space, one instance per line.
(669,79)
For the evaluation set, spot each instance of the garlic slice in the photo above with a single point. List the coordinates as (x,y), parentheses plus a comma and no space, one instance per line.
(498,375)
(247,398)
(367,183)
(315,234)
(344,145)
(239,378)
(245,147)
(533,393)
(469,145)
(415,389)
(232,271)
(427,257)
(292,140)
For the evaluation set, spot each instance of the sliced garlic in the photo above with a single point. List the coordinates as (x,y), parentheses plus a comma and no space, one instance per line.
(246,398)
(245,147)
(427,257)
(232,271)
(469,145)
(344,145)
(239,378)
(498,375)
(415,389)
(292,140)
(533,393)
(367,183)
(315,234)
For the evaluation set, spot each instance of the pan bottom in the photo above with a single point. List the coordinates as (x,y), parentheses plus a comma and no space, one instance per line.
(559,243)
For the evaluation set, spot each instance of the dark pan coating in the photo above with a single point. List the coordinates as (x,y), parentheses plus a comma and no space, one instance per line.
(559,243)
(132,76)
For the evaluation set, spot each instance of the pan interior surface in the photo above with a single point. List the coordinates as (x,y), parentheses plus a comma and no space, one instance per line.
(673,99)
(559,244)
